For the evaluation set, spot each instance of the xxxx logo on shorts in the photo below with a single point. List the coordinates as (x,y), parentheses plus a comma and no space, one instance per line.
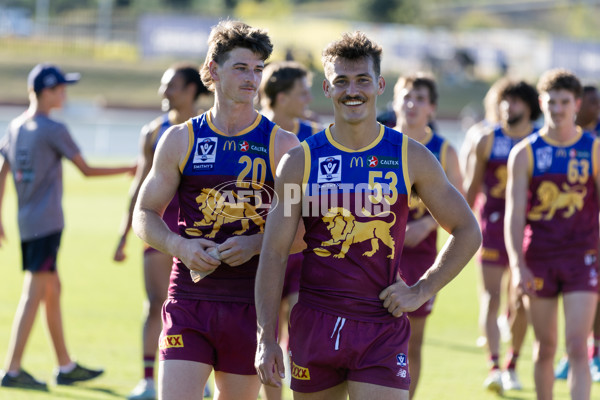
(170,341)
(300,373)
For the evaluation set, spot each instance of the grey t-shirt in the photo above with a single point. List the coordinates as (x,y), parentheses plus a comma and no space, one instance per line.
(34,147)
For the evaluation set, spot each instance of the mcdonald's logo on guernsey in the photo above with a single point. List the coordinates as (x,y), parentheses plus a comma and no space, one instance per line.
(300,373)
(170,341)
(355,161)
(229,144)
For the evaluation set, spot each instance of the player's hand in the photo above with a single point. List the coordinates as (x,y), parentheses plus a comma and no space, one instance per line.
(417,231)
(120,251)
(238,249)
(523,280)
(269,363)
(193,253)
(399,298)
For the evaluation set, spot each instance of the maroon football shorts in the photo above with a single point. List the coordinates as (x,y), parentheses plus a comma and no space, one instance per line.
(327,350)
(564,274)
(216,333)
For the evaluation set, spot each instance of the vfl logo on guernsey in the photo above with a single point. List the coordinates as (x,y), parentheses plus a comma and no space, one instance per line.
(170,341)
(330,169)
(205,154)
(502,146)
(345,231)
(543,158)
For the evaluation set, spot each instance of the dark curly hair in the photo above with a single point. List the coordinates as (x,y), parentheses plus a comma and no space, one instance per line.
(523,91)
(353,46)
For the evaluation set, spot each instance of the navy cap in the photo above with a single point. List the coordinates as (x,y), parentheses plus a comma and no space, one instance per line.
(44,76)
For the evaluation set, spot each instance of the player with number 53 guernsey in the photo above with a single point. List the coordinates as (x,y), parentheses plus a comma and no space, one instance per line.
(350,184)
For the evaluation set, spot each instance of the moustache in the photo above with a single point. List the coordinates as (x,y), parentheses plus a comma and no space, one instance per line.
(350,98)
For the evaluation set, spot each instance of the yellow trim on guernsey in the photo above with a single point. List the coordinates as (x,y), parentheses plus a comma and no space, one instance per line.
(407,183)
(240,133)
(272,149)
(428,136)
(190,127)
(563,144)
(595,151)
(306,166)
(529,160)
(340,146)
(443,154)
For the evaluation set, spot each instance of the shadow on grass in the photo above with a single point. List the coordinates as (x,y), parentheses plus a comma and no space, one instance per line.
(79,392)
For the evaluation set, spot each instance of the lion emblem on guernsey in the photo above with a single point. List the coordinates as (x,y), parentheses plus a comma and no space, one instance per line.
(218,211)
(346,231)
(416,206)
(499,189)
(553,199)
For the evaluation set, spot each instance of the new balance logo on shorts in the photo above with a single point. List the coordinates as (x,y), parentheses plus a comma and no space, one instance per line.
(170,341)
(300,373)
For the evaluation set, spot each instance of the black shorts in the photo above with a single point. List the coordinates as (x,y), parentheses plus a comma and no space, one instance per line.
(40,254)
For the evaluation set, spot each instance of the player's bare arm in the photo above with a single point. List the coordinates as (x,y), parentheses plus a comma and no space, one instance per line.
(90,171)
(144,163)
(452,213)
(237,250)
(596,170)
(519,171)
(475,170)
(280,231)
(4,170)
(156,192)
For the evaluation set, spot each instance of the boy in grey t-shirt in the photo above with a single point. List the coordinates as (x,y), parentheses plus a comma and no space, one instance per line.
(33,149)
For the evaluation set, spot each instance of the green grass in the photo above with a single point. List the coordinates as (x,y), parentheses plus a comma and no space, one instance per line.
(102,306)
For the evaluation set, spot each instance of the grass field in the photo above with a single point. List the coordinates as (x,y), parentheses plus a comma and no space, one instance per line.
(102,308)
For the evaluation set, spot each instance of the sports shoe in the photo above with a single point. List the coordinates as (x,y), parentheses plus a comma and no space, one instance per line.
(562,369)
(207,391)
(78,374)
(595,368)
(493,382)
(144,390)
(24,381)
(510,380)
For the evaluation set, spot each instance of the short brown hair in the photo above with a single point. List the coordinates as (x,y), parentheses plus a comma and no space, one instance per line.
(228,35)
(556,79)
(353,46)
(280,77)
(417,80)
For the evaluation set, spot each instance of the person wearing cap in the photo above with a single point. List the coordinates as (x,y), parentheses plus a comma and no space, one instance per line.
(32,149)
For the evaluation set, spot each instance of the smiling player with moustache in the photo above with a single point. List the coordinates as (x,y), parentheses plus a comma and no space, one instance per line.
(348,332)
